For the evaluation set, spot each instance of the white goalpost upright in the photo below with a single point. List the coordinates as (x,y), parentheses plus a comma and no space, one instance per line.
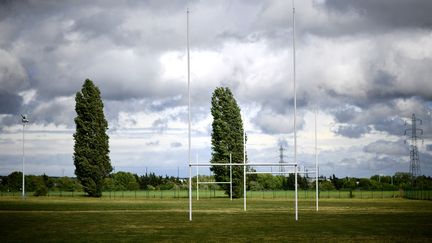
(295,109)
(189,115)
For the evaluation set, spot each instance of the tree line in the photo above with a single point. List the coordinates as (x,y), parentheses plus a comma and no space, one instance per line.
(126,181)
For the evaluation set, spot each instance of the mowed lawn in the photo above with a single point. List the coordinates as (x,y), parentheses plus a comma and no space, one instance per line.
(88,219)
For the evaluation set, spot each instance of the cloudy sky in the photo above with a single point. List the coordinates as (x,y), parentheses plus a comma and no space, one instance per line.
(366,66)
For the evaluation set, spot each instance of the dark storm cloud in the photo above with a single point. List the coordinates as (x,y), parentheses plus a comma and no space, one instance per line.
(352,131)
(389,14)
(383,115)
(345,114)
(393,126)
(398,148)
(9,103)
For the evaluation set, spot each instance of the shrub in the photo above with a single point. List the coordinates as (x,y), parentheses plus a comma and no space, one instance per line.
(41,191)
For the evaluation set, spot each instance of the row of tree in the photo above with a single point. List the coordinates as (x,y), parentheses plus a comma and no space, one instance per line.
(120,181)
(399,180)
(125,181)
(38,184)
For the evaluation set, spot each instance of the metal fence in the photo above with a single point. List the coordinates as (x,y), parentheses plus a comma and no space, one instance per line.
(264,194)
(418,194)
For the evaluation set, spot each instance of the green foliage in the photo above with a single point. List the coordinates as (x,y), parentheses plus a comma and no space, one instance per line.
(255,186)
(13,182)
(326,186)
(227,137)
(270,182)
(68,184)
(34,183)
(42,190)
(151,179)
(91,150)
(125,181)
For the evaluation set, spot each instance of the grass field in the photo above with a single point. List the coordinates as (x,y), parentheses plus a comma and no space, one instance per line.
(216,219)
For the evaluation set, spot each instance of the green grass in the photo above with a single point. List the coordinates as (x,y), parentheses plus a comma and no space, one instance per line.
(216,219)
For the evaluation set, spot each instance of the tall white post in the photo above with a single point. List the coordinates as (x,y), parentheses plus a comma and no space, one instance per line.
(23,164)
(316,160)
(244,168)
(189,117)
(230,177)
(197,178)
(295,111)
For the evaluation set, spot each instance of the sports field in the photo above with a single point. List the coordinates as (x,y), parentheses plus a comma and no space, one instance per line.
(214,219)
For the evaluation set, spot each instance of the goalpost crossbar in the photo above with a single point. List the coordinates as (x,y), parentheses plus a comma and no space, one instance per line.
(241,164)
(214,182)
(277,172)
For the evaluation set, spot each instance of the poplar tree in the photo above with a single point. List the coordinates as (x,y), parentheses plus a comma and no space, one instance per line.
(227,137)
(91,149)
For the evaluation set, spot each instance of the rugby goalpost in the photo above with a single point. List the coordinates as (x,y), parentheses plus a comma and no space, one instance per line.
(295,164)
(245,173)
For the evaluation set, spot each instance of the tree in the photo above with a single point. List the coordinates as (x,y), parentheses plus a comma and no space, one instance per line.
(91,150)
(326,186)
(125,181)
(14,181)
(227,137)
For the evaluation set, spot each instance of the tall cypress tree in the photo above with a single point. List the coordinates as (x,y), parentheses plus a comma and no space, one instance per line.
(91,150)
(227,137)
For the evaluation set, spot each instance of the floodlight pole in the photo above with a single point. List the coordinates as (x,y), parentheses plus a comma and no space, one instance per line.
(295,113)
(189,117)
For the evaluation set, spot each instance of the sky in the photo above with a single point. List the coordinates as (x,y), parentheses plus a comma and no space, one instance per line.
(364,66)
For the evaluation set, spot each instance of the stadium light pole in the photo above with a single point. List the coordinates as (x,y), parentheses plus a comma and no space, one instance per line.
(24,121)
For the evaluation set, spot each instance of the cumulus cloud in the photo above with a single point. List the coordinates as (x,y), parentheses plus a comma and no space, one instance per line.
(273,123)
(364,64)
(352,131)
(397,148)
